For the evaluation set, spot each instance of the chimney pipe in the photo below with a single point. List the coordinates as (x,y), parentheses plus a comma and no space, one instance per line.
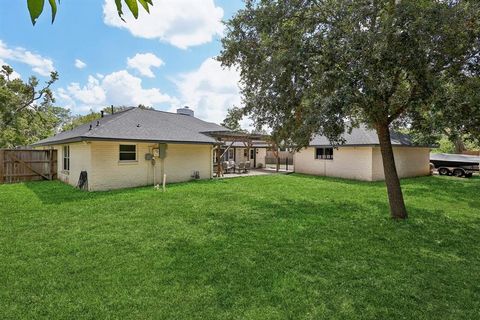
(112,108)
(103,113)
(186,111)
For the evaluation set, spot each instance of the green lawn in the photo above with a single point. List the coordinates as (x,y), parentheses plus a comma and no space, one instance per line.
(268,247)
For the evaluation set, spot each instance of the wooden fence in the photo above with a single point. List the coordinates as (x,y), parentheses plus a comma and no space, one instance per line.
(18,165)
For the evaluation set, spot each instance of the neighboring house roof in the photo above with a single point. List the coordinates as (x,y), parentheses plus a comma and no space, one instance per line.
(364,136)
(140,125)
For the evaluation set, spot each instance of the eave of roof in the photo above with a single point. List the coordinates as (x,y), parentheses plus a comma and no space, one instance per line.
(81,139)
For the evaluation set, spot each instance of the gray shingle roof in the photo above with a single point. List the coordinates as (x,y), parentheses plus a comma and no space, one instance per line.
(140,125)
(363,136)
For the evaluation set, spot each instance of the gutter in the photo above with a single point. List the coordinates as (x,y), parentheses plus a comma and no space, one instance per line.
(83,138)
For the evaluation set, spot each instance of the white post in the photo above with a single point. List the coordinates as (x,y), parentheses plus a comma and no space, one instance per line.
(164,181)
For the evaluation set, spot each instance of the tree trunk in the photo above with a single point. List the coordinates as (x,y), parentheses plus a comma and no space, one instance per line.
(459,145)
(395,196)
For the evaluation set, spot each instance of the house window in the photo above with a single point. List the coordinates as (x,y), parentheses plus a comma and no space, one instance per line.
(231,154)
(324,153)
(66,158)
(128,152)
(245,153)
(252,154)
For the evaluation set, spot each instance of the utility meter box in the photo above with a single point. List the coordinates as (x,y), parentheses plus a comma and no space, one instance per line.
(162,150)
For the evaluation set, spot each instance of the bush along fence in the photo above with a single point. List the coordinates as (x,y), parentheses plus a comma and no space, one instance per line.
(18,165)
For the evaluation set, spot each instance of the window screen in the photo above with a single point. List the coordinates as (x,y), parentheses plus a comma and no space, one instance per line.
(128,152)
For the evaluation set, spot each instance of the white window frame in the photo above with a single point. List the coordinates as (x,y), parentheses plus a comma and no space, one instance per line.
(129,152)
(231,154)
(66,156)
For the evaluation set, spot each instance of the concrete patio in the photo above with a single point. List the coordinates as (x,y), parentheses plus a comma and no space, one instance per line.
(254,172)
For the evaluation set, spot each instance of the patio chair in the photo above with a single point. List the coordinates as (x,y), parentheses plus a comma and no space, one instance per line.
(225,166)
(247,166)
(241,167)
(231,166)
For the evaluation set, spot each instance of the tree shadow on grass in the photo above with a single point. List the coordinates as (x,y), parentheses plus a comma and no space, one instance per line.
(56,192)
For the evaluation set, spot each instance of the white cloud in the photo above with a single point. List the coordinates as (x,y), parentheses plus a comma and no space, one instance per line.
(182,23)
(80,64)
(39,64)
(117,88)
(144,62)
(210,91)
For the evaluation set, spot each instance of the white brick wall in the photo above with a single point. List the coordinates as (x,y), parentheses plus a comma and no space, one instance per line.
(363,163)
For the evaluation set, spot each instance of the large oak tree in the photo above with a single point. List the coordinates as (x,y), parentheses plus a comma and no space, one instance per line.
(319,66)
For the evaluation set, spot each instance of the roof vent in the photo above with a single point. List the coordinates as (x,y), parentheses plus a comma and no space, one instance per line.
(186,111)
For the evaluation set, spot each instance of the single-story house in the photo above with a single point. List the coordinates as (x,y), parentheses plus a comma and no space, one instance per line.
(136,147)
(359,158)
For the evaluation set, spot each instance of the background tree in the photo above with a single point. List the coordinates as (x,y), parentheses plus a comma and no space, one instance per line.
(454,114)
(27,113)
(35,7)
(321,67)
(233,118)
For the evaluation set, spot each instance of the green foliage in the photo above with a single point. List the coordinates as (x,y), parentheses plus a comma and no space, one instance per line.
(27,113)
(269,247)
(35,7)
(308,68)
(319,68)
(453,113)
(233,118)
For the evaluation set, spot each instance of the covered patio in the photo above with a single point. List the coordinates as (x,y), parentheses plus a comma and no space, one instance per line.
(239,153)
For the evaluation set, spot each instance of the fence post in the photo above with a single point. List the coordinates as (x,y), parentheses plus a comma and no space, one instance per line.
(2,165)
(286,163)
(50,164)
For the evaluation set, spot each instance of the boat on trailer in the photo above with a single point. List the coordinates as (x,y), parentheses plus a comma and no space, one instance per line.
(458,165)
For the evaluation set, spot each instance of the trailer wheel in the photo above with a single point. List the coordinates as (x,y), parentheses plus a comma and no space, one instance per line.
(458,173)
(443,171)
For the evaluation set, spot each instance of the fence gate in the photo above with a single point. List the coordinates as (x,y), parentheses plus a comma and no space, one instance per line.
(17,165)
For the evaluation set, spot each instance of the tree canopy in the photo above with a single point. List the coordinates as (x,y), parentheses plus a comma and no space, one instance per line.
(27,113)
(321,67)
(35,7)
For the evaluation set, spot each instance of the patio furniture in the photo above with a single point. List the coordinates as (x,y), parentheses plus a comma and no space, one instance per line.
(225,166)
(231,166)
(241,167)
(247,166)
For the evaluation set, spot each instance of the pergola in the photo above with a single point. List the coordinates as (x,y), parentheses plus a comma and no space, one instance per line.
(228,139)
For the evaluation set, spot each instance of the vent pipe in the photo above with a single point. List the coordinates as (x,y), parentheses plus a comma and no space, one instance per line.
(186,111)
(102,113)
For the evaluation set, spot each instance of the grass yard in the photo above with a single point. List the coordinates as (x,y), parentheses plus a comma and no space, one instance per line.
(267,247)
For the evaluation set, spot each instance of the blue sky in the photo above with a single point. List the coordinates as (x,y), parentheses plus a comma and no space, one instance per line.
(162,60)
